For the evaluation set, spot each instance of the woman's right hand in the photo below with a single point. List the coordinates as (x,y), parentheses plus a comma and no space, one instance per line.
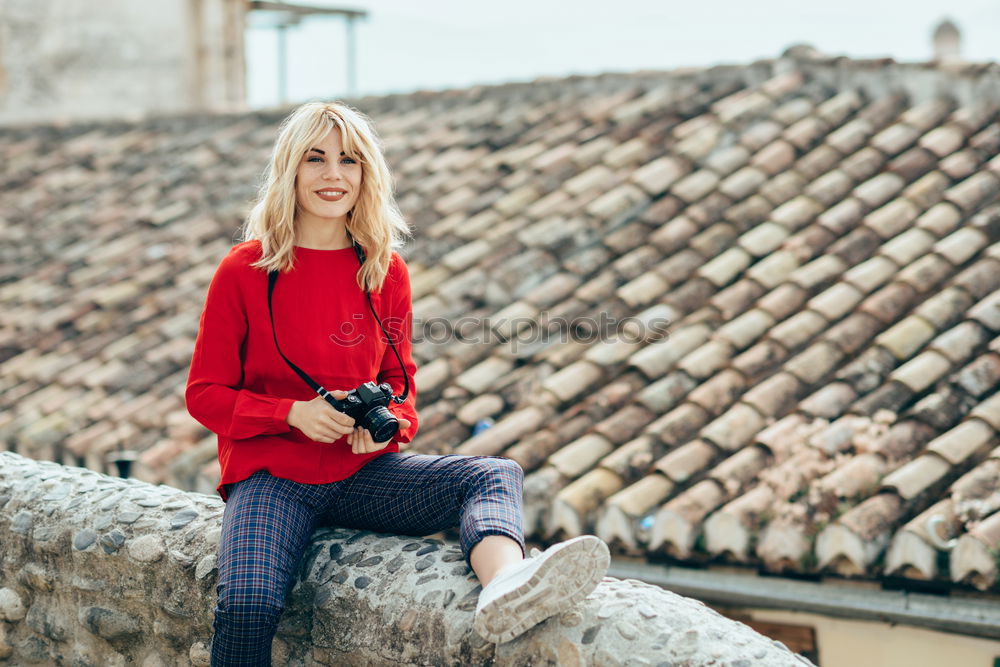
(319,420)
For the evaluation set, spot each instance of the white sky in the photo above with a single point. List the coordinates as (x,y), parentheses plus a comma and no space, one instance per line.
(407,45)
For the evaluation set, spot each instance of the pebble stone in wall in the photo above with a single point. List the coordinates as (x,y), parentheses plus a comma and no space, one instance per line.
(97,570)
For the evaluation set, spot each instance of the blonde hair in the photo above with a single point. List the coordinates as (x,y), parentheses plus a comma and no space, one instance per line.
(375,222)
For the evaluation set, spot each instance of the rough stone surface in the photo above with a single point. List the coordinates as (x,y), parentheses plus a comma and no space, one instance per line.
(144,594)
(11,605)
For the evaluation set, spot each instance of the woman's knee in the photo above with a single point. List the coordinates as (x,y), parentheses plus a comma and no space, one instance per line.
(497,469)
(253,614)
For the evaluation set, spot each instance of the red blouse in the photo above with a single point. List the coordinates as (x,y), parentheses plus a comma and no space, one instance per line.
(240,388)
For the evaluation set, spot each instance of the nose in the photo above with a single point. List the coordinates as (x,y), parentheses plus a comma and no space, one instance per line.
(333,170)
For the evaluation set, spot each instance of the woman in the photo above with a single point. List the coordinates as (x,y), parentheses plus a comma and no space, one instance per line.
(324,229)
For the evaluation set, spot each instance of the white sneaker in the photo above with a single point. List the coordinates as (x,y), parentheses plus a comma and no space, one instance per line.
(526,593)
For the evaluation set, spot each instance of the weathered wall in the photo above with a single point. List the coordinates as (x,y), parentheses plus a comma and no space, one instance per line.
(65,59)
(98,570)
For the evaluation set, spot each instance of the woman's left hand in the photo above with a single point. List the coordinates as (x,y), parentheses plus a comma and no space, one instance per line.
(361,441)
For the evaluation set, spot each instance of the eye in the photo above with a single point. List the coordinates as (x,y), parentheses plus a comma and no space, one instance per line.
(349,160)
(314,158)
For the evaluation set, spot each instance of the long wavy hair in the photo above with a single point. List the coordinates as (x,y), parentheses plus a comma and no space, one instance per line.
(375,222)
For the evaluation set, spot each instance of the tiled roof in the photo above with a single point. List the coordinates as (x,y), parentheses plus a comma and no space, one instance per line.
(823,237)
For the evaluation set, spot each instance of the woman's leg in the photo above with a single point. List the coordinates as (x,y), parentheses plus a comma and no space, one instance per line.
(420,494)
(265,528)
(492,554)
(416,494)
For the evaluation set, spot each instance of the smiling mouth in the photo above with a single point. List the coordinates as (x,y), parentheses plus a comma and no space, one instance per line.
(331,195)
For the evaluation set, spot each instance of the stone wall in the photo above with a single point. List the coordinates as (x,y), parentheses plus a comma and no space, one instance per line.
(65,59)
(98,570)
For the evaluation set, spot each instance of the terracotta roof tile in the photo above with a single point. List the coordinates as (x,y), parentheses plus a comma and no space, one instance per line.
(836,301)
(963,441)
(895,138)
(580,455)
(927,115)
(667,392)
(851,136)
(974,191)
(818,161)
(908,246)
(815,362)
(980,278)
(922,371)
(745,329)
(987,141)
(675,526)
(657,176)
(781,85)
(864,164)
(828,401)
(725,267)
(987,312)
(916,476)
(615,202)
(971,560)
(673,235)
(506,431)
(748,212)
(852,333)
(726,161)
(851,546)
(699,143)
(798,329)
(989,412)
(735,299)
(719,392)
(960,165)
(678,425)
(761,134)
(981,375)
(773,269)
(775,395)
(889,303)
(742,104)
(774,158)
(830,188)
(842,217)
(927,190)
(686,461)
(781,188)
(912,164)
(961,342)
(573,380)
(694,186)
(624,508)
(734,428)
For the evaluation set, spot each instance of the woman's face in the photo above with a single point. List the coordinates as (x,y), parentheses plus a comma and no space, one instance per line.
(327,182)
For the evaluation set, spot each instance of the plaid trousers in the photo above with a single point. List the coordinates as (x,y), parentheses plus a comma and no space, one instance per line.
(268,522)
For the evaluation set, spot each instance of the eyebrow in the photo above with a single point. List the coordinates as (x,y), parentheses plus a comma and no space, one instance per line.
(322,152)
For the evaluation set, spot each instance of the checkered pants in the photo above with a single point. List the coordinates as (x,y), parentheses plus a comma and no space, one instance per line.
(268,522)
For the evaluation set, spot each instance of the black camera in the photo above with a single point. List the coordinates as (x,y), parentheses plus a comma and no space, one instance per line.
(367,406)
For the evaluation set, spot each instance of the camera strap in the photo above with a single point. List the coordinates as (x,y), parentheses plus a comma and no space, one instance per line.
(272,279)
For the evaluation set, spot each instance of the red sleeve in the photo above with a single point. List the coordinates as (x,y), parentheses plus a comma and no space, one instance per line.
(213,393)
(399,326)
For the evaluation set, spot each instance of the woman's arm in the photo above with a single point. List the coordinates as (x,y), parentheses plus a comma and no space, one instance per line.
(398,323)
(213,393)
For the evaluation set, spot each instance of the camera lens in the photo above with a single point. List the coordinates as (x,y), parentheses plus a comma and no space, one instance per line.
(380,423)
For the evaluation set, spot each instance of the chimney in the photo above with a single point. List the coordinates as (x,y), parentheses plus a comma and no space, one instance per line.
(947,42)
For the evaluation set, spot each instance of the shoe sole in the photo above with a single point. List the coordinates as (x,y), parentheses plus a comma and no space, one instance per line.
(563,578)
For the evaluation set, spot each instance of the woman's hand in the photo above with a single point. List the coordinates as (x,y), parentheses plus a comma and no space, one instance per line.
(319,420)
(361,439)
